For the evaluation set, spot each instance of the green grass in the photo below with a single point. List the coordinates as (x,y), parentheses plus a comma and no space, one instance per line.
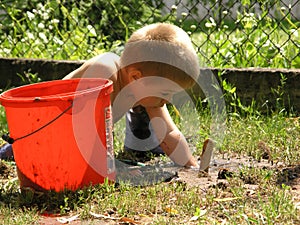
(3,124)
(272,201)
(279,133)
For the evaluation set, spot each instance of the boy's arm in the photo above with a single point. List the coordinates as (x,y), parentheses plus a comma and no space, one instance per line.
(172,140)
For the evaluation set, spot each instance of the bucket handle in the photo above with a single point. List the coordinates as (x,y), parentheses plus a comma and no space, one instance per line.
(11,140)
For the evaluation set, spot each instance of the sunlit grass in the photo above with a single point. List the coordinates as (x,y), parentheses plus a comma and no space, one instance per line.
(278,133)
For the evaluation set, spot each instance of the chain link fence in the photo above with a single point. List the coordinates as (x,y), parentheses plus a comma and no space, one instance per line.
(226,33)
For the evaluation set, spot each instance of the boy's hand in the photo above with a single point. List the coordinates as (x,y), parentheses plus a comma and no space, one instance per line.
(172,140)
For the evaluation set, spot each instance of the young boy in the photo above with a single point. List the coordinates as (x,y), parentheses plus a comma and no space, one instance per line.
(158,61)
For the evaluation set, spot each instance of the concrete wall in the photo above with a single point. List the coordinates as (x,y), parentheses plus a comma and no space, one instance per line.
(258,84)
(10,68)
(251,84)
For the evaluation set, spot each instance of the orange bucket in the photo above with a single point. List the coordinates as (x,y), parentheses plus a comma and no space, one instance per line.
(61,133)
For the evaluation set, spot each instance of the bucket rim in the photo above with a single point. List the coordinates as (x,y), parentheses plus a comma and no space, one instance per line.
(7,96)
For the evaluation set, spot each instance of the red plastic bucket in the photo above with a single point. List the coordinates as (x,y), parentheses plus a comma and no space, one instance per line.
(62,133)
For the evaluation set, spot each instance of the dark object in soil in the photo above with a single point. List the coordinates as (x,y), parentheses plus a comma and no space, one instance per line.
(288,175)
(203,173)
(6,170)
(224,173)
(266,151)
(220,185)
(3,168)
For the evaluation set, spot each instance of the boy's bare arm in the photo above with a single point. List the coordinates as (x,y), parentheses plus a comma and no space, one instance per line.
(172,140)
(101,66)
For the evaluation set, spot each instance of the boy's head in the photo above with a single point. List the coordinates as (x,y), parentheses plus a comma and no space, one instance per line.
(163,50)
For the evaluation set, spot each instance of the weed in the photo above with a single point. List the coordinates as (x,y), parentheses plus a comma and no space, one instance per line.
(29,78)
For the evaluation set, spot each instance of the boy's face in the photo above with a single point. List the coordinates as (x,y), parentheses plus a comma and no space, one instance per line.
(154,92)
(150,91)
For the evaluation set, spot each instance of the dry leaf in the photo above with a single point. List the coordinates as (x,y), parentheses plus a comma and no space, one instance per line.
(226,199)
(201,213)
(194,218)
(171,211)
(297,205)
(103,216)
(67,220)
(128,220)
(250,192)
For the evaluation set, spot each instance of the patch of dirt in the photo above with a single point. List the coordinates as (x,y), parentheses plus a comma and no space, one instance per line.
(291,176)
(220,168)
(216,177)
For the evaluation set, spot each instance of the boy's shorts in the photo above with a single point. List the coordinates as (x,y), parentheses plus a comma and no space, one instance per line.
(6,152)
(139,135)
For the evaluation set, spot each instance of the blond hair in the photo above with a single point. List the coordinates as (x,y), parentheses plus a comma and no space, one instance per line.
(165,50)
